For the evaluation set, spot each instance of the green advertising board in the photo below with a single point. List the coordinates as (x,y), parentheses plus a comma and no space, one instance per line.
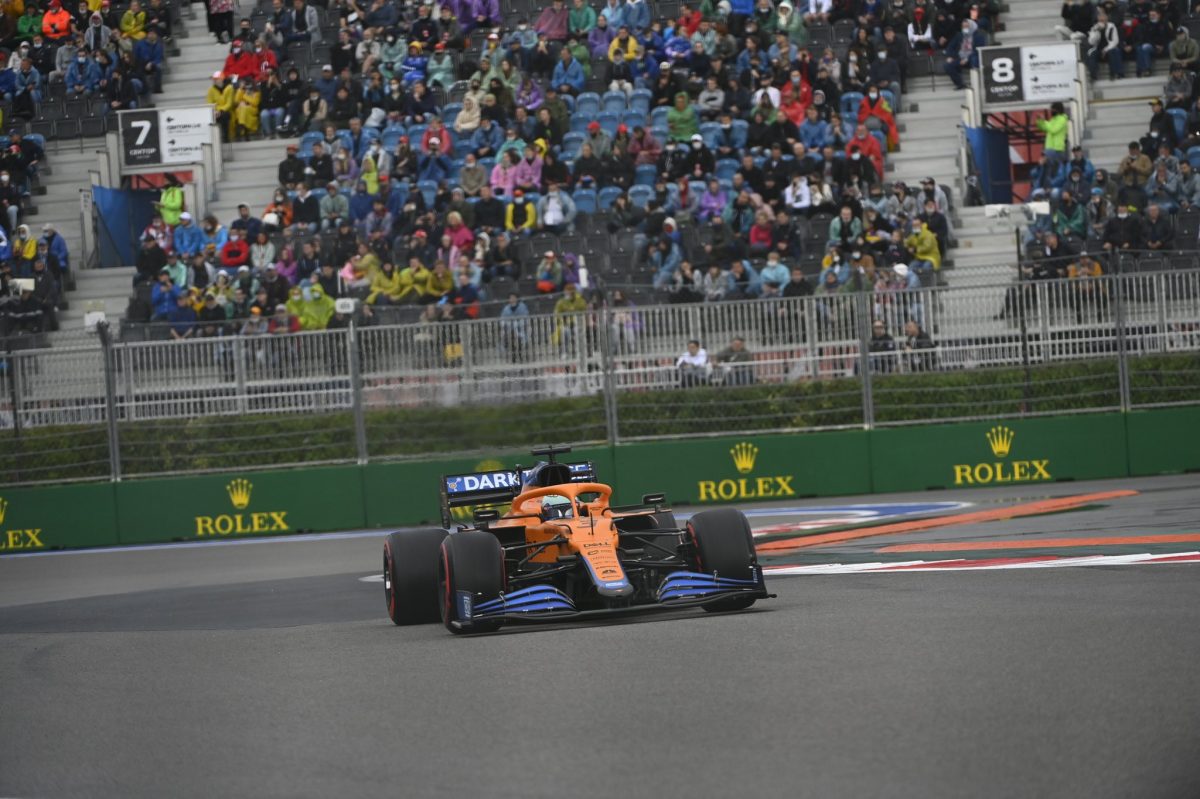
(693,472)
(211,507)
(57,517)
(980,454)
(1163,441)
(745,468)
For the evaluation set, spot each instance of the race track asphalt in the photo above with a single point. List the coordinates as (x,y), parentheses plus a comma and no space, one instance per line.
(272,670)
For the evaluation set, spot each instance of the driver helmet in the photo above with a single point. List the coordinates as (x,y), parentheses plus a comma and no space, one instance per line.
(556,507)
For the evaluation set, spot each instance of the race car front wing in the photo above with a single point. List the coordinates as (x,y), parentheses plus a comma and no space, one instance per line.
(679,589)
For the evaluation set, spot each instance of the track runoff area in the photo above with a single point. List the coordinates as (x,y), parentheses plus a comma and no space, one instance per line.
(1029,640)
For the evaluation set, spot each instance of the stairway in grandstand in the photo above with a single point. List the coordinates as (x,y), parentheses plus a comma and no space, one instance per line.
(185,82)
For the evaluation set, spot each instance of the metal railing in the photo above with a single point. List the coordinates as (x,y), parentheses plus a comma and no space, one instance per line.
(813,363)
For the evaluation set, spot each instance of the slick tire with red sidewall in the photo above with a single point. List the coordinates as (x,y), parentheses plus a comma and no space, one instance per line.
(471,562)
(410,575)
(722,543)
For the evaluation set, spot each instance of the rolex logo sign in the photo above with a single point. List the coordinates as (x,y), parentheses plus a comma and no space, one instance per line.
(744,457)
(239,492)
(1000,440)
(12,539)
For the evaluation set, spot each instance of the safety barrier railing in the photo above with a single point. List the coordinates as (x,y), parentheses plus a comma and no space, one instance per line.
(1124,324)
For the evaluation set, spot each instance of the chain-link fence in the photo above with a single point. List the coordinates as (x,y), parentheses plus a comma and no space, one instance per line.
(608,374)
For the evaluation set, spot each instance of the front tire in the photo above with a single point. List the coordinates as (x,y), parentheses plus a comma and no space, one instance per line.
(410,575)
(722,543)
(471,564)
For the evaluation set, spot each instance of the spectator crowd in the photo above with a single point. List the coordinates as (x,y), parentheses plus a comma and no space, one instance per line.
(455,153)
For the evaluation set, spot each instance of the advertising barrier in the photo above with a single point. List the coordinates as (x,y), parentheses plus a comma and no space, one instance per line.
(982,454)
(746,468)
(691,472)
(212,507)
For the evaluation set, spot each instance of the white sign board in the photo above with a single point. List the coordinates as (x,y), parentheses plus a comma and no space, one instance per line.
(183,132)
(1048,72)
(166,136)
(1036,74)
(1012,217)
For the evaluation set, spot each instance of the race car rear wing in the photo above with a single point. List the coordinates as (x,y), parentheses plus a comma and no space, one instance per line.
(497,487)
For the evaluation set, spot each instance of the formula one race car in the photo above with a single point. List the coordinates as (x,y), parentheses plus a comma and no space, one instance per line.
(547,545)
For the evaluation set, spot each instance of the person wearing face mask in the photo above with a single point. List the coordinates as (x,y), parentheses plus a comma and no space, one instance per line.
(313,112)
(239,62)
(82,77)
(1123,231)
(10,202)
(698,162)
(962,53)
(876,114)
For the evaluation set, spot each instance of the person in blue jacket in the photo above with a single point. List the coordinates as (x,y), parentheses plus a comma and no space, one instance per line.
(83,77)
(435,166)
(56,245)
(189,239)
(361,202)
(637,15)
(487,139)
(568,75)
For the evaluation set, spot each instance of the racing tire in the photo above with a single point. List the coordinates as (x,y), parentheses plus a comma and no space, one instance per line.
(722,543)
(471,562)
(410,576)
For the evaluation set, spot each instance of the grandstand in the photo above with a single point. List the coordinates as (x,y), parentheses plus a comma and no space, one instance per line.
(636,251)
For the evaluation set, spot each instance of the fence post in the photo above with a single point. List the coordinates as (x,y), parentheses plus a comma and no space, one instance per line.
(863,312)
(239,372)
(110,403)
(466,340)
(1122,351)
(607,367)
(14,386)
(353,355)
(1160,306)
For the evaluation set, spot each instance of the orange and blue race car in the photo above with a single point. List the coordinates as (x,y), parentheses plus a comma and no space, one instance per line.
(546,544)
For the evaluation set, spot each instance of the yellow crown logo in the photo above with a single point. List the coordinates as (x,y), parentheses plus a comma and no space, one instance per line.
(3,509)
(1000,439)
(743,456)
(239,492)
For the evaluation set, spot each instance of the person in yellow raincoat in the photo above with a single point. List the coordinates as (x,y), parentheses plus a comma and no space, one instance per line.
(295,302)
(245,110)
(220,97)
(369,174)
(418,275)
(133,21)
(390,285)
(318,309)
(439,284)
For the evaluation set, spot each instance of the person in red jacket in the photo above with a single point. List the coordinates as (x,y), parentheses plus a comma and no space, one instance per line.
(235,252)
(863,142)
(874,106)
(267,60)
(56,22)
(240,63)
(689,19)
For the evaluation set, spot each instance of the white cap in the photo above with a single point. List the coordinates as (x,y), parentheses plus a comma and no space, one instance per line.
(185,216)
(901,270)
(435,140)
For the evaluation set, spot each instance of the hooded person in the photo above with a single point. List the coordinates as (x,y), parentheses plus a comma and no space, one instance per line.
(296,302)
(318,309)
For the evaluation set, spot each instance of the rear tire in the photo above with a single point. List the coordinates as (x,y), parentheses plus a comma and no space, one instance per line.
(473,562)
(723,544)
(410,575)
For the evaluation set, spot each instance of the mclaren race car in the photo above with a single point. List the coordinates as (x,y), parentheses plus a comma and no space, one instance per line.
(547,545)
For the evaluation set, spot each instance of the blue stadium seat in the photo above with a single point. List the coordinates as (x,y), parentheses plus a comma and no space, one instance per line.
(450,113)
(588,104)
(609,123)
(579,123)
(658,117)
(608,196)
(394,126)
(1193,157)
(640,195)
(741,129)
(633,118)
(585,201)
(881,137)
(308,140)
(710,131)
(891,100)
(1180,118)
(347,141)
(640,101)
(726,168)
(646,175)
(391,137)
(571,144)
(428,191)
(614,102)
(849,104)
